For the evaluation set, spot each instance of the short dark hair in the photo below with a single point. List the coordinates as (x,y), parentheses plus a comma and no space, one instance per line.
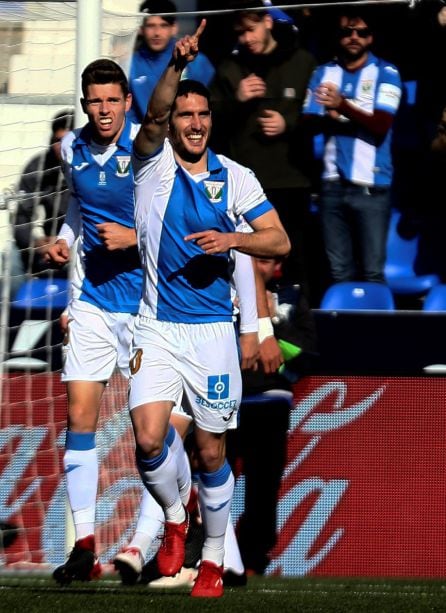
(248,9)
(158,7)
(190,86)
(63,120)
(103,71)
(365,13)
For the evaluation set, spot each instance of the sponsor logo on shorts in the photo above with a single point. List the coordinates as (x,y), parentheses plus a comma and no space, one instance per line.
(222,405)
(218,387)
(135,362)
(218,396)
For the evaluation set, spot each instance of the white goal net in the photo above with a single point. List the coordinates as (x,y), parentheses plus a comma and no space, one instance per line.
(38,82)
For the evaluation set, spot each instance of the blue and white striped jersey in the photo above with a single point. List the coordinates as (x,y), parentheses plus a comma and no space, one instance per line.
(183,284)
(102,191)
(352,153)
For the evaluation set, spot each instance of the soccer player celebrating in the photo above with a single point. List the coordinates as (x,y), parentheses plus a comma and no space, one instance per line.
(106,290)
(187,204)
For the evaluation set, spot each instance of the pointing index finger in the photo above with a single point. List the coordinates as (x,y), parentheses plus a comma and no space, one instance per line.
(200,28)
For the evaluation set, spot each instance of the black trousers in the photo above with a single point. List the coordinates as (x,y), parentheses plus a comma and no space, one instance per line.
(259,447)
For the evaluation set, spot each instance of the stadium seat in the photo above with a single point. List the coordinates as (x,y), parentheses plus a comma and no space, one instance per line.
(436,298)
(358,295)
(42,294)
(399,269)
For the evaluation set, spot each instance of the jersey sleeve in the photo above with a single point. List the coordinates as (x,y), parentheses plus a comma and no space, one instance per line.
(310,106)
(71,226)
(145,167)
(250,200)
(245,290)
(389,89)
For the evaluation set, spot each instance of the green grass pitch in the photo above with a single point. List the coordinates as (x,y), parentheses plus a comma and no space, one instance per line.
(33,594)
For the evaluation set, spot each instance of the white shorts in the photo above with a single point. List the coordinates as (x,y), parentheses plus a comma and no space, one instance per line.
(97,341)
(193,365)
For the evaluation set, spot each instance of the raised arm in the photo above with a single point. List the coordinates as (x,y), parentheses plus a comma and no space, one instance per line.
(154,127)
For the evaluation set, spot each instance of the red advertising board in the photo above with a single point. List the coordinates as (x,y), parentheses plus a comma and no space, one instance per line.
(363,492)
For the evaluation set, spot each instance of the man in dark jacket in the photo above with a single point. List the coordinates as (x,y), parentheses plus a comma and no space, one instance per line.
(42,197)
(257,96)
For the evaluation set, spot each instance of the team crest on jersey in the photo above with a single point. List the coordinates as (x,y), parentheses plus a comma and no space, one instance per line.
(214,190)
(122,165)
(367,86)
(102,178)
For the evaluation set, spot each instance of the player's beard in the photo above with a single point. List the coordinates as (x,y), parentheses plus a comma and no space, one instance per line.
(353,55)
(186,154)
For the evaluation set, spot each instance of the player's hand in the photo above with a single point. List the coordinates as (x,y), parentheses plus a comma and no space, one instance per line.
(186,48)
(250,87)
(249,347)
(270,355)
(272,123)
(58,253)
(114,236)
(211,241)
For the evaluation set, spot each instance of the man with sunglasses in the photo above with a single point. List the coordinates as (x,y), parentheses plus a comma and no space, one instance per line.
(353,100)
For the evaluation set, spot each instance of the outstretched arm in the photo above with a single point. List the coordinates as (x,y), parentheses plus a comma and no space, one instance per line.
(154,126)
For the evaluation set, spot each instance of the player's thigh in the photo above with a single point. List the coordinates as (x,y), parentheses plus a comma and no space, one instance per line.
(153,373)
(124,326)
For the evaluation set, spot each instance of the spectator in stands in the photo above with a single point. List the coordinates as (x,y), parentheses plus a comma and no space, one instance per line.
(352,100)
(257,97)
(42,197)
(264,415)
(153,52)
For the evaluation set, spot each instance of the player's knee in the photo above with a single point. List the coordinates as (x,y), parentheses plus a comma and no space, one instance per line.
(149,445)
(211,458)
(82,418)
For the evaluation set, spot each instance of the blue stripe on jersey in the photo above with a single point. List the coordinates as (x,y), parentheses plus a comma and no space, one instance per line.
(189,281)
(113,279)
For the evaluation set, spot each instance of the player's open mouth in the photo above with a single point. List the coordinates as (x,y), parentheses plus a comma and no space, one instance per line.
(106,121)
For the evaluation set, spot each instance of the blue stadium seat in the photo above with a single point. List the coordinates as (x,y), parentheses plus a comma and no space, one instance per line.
(358,295)
(399,269)
(42,294)
(436,299)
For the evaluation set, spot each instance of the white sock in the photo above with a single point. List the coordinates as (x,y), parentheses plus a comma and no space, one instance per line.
(233,559)
(150,521)
(82,476)
(183,465)
(159,475)
(215,491)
